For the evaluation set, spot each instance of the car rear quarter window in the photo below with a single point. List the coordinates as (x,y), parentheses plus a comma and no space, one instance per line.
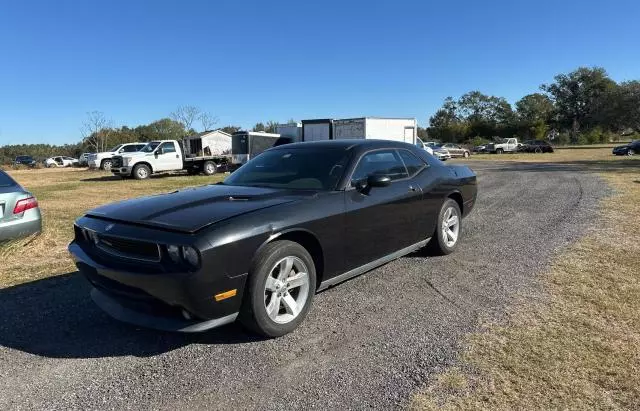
(380,162)
(413,164)
(5,180)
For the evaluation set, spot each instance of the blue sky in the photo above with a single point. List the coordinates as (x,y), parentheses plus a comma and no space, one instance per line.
(247,61)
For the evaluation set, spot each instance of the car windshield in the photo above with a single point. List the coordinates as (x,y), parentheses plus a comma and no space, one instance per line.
(5,180)
(24,158)
(149,148)
(297,169)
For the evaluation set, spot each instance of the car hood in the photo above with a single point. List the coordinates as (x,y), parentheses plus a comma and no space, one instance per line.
(190,210)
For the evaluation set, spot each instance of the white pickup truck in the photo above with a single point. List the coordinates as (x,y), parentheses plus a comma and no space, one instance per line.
(163,156)
(509,145)
(103,160)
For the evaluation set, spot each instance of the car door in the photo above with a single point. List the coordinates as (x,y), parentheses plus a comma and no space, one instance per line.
(380,220)
(167,157)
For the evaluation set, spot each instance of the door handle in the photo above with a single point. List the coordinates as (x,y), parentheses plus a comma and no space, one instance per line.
(412,188)
(177,156)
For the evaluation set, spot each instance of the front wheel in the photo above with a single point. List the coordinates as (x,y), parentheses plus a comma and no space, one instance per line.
(499,151)
(631,152)
(106,165)
(282,283)
(538,150)
(466,154)
(445,238)
(141,172)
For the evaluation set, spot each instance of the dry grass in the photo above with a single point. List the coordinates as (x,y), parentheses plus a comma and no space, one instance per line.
(64,195)
(580,349)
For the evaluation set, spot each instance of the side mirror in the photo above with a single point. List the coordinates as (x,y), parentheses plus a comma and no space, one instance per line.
(378,181)
(160,151)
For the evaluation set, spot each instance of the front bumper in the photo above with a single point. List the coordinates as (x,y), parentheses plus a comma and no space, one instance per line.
(122,171)
(93,164)
(182,302)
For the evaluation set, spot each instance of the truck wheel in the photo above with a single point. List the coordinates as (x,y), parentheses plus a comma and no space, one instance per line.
(499,151)
(282,283)
(141,172)
(466,154)
(106,165)
(209,168)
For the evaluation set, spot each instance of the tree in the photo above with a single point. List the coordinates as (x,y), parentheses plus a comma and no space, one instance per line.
(186,115)
(231,129)
(272,127)
(163,129)
(534,112)
(259,127)
(627,105)
(579,97)
(96,131)
(207,120)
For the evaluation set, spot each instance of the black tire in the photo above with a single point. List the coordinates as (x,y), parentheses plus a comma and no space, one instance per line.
(437,244)
(106,165)
(209,168)
(538,150)
(499,151)
(253,313)
(631,152)
(466,154)
(141,172)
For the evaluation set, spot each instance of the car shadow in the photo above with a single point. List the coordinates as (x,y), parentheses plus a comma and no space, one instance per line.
(56,318)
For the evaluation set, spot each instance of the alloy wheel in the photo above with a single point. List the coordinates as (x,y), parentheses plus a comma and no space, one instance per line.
(286,290)
(142,173)
(450,227)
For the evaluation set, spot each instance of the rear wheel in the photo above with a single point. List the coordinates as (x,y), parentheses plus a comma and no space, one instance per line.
(631,152)
(499,151)
(141,172)
(209,168)
(538,150)
(282,283)
(466,154)
(445,238)
(106,165)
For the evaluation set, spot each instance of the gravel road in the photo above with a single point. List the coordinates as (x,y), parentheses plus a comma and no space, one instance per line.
(367,343)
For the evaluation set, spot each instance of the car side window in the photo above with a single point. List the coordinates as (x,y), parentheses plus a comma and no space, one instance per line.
(168,147)
(413,164)
(130,149)
(380,162)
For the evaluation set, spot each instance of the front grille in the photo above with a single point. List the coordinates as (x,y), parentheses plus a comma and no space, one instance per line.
(116,162)
(129,249)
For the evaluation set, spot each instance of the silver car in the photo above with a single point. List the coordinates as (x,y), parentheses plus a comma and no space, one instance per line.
(19,211)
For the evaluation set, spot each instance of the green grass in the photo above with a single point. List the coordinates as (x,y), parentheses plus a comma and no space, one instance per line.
(64,195)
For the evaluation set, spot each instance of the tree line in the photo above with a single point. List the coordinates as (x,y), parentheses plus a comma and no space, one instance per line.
(584,106)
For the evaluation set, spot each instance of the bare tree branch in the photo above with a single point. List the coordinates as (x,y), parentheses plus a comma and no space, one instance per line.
(186,115)
(96,131)
(207,120)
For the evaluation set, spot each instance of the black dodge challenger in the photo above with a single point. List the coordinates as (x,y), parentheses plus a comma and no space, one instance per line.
(257,247)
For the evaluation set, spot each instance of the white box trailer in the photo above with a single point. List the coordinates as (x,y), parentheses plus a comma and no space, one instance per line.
(317,130)
(397,129)
(247,144)
(292,131)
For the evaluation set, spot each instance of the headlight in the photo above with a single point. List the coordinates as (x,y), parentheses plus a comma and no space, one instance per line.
(91,236)
(174,253)
(191,256)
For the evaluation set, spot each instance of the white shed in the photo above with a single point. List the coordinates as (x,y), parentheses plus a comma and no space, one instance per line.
(208,143)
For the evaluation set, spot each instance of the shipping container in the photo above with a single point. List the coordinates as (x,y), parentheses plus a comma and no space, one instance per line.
(292,131)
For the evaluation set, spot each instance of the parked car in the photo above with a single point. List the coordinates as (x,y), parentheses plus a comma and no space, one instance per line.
(103,160)
(61,161)
(440,152)
(19,211)
(25,161)
(296,219)
(421,144)
(83,160)
(536,146)
(509,145)
(455,150)
(627,149)
(482,148)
